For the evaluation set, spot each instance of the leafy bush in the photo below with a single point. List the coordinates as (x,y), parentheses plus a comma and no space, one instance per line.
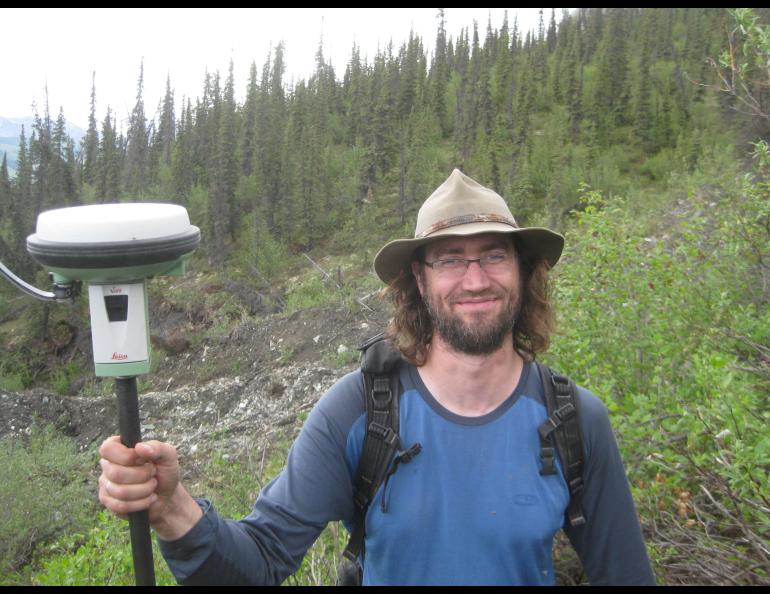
(673,330)
(43,493)
(100,557)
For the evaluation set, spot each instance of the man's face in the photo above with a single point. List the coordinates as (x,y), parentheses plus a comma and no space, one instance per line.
(474,308)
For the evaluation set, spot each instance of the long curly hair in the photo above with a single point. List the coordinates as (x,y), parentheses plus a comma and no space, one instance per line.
(411,330)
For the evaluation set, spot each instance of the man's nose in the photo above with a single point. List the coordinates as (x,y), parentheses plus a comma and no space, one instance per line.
(475,277)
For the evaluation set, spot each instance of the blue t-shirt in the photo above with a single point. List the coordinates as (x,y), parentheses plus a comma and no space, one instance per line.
(472,508)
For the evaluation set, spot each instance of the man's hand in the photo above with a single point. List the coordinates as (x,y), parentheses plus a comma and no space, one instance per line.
(146,477)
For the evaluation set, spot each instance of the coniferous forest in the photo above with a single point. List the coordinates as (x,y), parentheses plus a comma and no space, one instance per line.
(641,134)
(584,100)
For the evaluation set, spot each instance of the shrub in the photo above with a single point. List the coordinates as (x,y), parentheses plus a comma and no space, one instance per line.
(43,493)
(672,330)
(100,557)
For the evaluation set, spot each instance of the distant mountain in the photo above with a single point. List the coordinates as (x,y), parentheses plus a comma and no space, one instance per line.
(11,127)
(10,133)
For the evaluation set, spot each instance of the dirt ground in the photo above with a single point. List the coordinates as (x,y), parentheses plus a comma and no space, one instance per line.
(205,366)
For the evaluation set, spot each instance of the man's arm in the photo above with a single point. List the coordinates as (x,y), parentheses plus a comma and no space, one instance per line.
(610,543)
(268,545)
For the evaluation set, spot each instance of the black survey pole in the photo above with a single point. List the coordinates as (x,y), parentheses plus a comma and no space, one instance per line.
(138,522)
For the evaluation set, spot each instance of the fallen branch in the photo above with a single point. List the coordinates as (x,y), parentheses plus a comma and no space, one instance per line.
(322,271)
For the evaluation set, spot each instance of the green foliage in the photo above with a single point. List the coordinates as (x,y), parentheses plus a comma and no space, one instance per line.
(232,486)
(345,281)
(672,330)
(306,158)
(743,68)
(310,293)
(258,251)
(319,566)
(63,375)
(658,167)
(99,557)
(43,494)
(15,374)
(341,358)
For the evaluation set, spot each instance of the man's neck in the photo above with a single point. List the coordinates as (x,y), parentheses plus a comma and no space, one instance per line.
(471,385)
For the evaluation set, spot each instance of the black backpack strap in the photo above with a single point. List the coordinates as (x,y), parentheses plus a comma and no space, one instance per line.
(381,385)
(563,423)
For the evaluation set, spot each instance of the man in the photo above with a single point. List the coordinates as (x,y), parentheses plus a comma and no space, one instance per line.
(471,313)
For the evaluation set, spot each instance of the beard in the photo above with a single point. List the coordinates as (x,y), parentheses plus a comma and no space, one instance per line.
(481,336)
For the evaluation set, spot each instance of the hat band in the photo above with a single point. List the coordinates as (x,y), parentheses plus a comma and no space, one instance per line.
(464,220)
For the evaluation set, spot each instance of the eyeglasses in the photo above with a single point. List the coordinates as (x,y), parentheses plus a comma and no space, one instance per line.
(456,267)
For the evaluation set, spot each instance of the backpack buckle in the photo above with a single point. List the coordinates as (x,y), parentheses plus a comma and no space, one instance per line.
(381,392)
(565,412)
(546,458)
(560,384)
(385,434)
(576,485)
(556,419)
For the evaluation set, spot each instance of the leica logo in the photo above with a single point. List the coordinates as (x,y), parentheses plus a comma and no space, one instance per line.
(118,356)
(116,290)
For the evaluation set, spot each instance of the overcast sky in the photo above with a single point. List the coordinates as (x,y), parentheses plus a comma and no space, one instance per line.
(62,47)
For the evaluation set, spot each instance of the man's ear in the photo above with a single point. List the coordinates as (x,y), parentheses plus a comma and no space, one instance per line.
(417,273)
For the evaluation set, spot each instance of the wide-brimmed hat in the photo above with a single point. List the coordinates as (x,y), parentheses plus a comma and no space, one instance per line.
(462,206)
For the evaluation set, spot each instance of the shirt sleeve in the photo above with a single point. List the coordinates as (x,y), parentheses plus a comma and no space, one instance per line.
(313,489)
(610,543)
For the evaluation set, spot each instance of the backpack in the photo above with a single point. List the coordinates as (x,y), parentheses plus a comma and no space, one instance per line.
(379,365)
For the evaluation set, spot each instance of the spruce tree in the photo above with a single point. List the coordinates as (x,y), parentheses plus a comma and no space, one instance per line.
(594,28)
(15,220)
(643,109)
(41,156)
(354,93)
(574,68)
(249,122)
(408,69)
(136,167)
(391,97)
(201,141)
(164,138)
(463,106)
(72,174)
(611,96)
(501,78)
(271,125)
(439,76)
(90,146)
(62,186)
(23,184)
(226,169)
(5,188)
(108,179)
(7,231)
(215,211)
(551,35)
(182,170)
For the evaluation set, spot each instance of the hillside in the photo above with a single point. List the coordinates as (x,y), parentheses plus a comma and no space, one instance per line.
(640,134)
(234,378)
